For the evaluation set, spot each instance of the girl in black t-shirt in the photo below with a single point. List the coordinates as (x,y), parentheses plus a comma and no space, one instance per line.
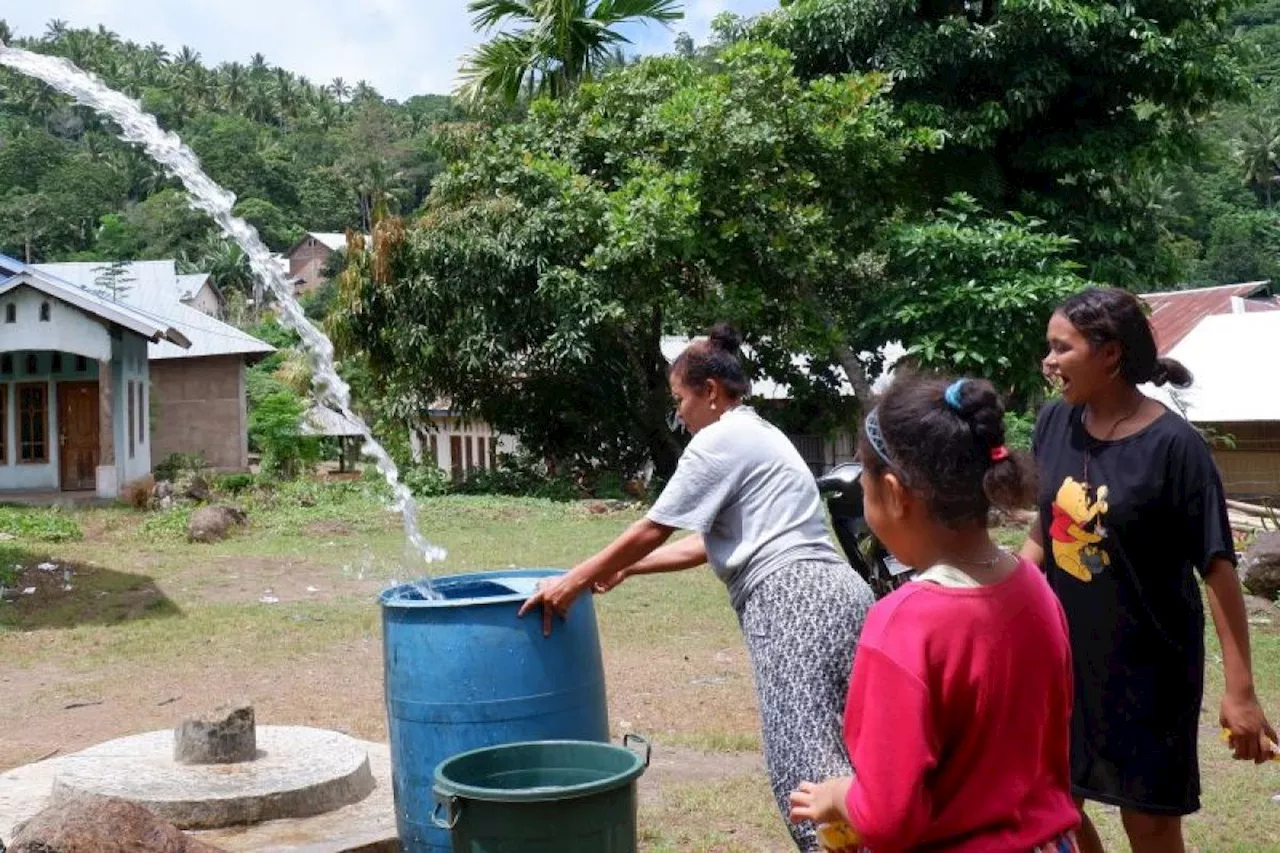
(1131,509)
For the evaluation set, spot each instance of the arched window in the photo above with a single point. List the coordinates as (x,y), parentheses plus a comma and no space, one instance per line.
(44,312)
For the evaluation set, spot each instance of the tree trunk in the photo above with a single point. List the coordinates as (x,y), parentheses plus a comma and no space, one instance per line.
(649,367)
(853,369)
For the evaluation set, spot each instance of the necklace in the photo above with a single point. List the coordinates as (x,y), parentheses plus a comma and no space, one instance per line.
(982,564)
(1091,442)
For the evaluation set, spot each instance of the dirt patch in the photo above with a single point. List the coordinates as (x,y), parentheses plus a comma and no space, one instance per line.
(241,580)
(674,766)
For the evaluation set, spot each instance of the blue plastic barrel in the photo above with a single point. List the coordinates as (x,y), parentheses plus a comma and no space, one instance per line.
(463,673)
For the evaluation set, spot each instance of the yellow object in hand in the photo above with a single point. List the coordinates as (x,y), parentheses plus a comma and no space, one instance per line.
(1266,744)
(839,838)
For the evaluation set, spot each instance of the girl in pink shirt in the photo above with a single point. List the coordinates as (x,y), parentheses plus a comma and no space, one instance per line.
(957,719)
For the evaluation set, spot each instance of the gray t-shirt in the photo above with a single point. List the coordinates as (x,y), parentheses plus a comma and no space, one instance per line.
(742,484)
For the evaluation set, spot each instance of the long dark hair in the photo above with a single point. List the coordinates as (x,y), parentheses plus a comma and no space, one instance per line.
(1110,315)
(718,356)
(946,441)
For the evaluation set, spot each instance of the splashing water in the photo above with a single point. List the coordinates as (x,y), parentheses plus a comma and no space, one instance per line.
(141,129)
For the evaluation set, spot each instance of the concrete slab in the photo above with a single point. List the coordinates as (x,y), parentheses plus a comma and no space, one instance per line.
(367,826)
(299,772)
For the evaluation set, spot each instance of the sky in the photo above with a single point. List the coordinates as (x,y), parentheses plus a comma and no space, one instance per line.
(402,47)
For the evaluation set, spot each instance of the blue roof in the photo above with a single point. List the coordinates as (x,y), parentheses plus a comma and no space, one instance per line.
(9,267)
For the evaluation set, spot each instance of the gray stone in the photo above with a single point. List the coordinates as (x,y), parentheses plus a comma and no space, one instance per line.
(163,489)
(1260,566)
(102,825)
(194,488)
(214,523)
(225,736)
(299,772)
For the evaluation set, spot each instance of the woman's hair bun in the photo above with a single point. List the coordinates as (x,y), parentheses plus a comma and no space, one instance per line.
(725,337)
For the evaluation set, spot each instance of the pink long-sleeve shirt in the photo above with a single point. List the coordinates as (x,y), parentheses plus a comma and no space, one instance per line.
(957,720)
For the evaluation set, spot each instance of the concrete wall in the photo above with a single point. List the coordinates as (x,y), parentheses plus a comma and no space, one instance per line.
(306,262)
(1248,456)
(449,432)
(198,406)
(68,329)
(42,476)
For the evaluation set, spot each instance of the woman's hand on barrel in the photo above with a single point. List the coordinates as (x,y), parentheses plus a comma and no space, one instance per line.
(556,595)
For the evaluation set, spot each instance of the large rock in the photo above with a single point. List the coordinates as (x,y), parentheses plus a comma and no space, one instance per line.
(100,825)
(1260,567)
(225,736)
(213,523)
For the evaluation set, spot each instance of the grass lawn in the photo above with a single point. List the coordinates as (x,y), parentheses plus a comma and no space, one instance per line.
(284,615)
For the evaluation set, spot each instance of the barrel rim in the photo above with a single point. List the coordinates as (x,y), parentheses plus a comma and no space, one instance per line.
(388,600)
(446,787)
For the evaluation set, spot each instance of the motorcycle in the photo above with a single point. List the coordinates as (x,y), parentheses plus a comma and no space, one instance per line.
(842,489)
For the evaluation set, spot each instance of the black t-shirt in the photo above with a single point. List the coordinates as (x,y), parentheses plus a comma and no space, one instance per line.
(1126,525)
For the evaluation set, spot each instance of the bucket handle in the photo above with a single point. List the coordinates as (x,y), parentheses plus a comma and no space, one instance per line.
(455,811)
(648,749)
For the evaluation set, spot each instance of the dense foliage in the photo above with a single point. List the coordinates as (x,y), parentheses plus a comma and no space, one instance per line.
(299,155)
(556,251)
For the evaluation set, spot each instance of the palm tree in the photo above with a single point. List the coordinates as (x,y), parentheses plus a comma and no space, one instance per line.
(186,59)
(55,29)
(340,90)
(364,91)
(157,54)
(1258,151)
(234,85)
(554,45)
(257,65)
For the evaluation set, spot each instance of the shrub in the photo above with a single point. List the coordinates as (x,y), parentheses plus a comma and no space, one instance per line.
(42,525)
(425,481)
(273,425)
(175,465)
(234,484)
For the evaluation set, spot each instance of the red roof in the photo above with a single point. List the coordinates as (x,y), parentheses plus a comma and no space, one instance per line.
(1175,313)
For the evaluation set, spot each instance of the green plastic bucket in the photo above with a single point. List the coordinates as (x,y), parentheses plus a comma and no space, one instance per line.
(551,796)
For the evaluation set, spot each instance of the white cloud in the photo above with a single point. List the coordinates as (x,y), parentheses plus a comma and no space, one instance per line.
(402,47)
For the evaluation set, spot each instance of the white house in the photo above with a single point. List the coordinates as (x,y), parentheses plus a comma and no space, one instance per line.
(1235,396)
(197,393)
(74,385)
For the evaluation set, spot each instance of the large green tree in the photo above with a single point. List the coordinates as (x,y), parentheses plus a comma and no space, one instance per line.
(555,253)
(554,44)
(1056,108)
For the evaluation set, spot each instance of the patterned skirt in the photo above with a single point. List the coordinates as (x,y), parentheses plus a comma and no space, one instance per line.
(801,626)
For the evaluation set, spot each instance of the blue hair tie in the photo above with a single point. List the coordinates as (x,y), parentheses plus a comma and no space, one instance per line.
(952,394)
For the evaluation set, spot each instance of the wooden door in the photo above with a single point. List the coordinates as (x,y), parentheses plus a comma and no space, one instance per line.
(78,435)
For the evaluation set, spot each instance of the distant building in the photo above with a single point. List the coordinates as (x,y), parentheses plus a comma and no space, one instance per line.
(94,390)
(1174,313)
(307,258)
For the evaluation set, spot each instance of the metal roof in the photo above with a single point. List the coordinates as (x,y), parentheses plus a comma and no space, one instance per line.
(333,241)
(1175,313)
(154,289)
(1227,354)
